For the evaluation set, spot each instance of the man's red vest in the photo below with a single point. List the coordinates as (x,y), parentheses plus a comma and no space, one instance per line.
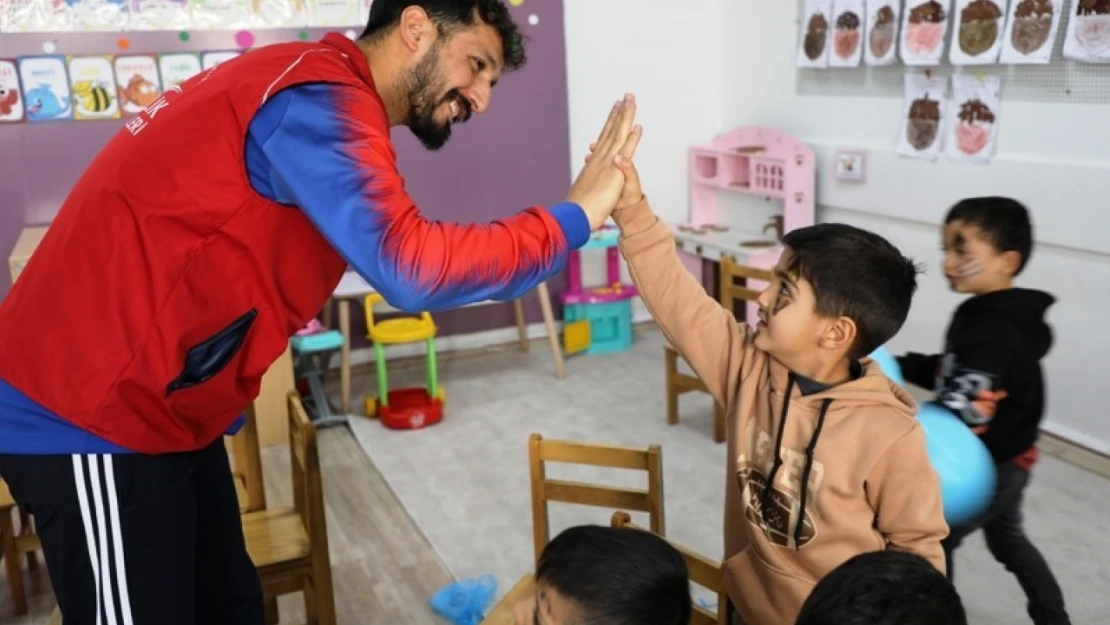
(166,287)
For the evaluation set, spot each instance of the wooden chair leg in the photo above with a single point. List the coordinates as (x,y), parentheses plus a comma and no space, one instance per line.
(552,335)
(718,423)
(323,592)
(521,327)
(26,528)
(11,560)
(270,607)
(311,616)
(670,371)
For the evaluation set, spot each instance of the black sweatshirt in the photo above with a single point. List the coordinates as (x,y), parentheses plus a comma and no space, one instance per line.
(990,374)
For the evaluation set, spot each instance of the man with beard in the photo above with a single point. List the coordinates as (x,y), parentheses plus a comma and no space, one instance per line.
(203,236)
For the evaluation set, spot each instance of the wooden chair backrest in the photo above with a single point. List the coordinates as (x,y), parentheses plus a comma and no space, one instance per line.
(308,487)
(731,292)
(544,490)
(246,454)
(701,570)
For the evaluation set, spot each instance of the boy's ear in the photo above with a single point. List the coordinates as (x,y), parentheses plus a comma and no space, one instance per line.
(1011,260)
(839,335)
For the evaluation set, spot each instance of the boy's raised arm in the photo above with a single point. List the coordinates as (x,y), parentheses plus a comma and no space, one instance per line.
(708,337)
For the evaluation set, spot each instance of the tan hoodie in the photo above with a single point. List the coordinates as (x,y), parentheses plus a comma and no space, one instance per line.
(851,472)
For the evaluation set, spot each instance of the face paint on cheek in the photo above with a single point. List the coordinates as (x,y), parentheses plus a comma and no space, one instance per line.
(969,268)
(781,302)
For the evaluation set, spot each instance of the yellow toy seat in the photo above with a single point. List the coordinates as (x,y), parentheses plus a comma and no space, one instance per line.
(395,331)
(399,330)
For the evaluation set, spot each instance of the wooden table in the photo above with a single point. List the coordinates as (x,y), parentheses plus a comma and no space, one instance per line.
(353,287)
(502,613)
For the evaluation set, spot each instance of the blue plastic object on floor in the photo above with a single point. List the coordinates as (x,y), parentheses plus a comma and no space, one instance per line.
(465,602)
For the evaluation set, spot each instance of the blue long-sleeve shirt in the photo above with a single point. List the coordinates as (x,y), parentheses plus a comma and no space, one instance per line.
(304,151)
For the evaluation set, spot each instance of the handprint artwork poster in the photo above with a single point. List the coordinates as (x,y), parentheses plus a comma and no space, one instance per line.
(1088,38)
(977,32)
(847,48)
(974,118)
(813,43)
(1031,32)
(883,19)
(924,26)
(920,135)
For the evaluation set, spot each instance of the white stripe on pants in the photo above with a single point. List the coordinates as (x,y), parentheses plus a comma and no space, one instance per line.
(100,520)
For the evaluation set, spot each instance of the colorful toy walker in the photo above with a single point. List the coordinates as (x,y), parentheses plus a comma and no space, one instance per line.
(404,408)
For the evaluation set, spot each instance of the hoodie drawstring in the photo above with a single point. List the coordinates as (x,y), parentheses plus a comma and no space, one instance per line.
(766,495)
(808,467)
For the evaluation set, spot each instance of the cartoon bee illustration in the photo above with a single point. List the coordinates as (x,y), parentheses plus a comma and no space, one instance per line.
(91,96)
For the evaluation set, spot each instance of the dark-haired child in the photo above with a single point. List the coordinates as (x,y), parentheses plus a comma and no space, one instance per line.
(990,376)
(808,412)
(594,575)
(884,588)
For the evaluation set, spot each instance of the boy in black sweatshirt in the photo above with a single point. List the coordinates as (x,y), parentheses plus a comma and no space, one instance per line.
(990,376)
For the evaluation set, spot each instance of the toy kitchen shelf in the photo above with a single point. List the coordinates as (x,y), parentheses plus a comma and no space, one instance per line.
(750,160)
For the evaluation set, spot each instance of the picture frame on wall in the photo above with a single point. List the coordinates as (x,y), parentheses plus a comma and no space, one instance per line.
(850,166)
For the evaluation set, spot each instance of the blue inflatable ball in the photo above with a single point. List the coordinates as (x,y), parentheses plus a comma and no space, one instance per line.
(889,365)
(966,469)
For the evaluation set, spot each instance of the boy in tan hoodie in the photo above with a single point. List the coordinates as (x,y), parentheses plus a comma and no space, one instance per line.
(843,450)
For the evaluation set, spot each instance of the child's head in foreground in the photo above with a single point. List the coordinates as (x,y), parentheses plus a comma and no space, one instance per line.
(987,241)
(594,575)
(838,293)
(883,588)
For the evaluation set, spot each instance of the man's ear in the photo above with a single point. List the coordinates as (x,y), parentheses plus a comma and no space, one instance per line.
(415,26)
(839,334)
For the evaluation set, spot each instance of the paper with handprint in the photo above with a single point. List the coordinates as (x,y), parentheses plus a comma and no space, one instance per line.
(924,26)
(1031,30)
(974,118)
(1088,37)
(977,30)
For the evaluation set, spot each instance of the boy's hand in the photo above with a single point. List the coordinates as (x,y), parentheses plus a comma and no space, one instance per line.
(597,189)
(632,192)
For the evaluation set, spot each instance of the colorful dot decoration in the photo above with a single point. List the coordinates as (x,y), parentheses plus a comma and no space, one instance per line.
(184,36)
(516,3)
(350,34)
(244,39)
(123,43)
(49,47)
(533,19)
(303,35)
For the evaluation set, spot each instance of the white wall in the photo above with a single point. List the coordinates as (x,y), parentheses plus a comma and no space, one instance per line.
(666,52)
(1051,156)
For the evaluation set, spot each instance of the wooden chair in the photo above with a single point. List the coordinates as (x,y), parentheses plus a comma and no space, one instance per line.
(702,571)
(15,545)
(246,469)
(544,490)
(290,546)
(678,383)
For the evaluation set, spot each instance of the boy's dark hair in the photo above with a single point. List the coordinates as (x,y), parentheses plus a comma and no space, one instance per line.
(857,274)
(617,576)
(883,588)
(1003,221)
(450,16)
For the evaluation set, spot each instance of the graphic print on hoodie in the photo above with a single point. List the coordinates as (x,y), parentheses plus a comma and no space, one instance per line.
(781,512)
(990,372)
(848,464)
